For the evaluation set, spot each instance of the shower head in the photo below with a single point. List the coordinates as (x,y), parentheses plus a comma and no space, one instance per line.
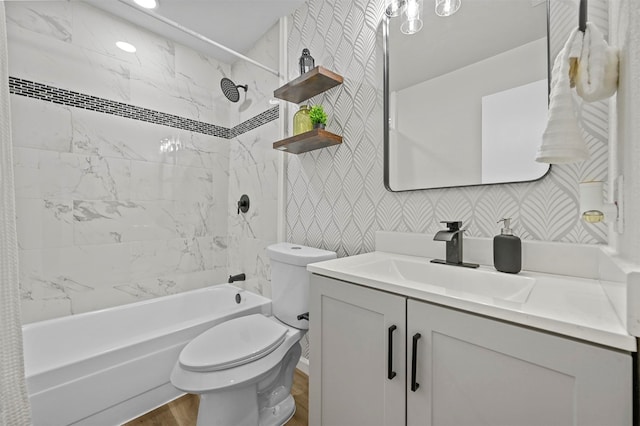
(230,89)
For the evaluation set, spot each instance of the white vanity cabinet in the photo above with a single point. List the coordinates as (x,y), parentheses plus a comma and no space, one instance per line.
(464,369)
(350,330)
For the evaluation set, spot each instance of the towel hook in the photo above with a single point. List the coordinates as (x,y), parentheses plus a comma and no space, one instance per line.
(582,19)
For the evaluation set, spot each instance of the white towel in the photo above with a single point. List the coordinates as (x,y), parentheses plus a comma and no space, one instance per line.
(597,72)
(562,140)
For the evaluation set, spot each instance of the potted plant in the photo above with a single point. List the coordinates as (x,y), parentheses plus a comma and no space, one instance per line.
(318,117)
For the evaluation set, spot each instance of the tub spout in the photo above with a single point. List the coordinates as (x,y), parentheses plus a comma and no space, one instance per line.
(239,277)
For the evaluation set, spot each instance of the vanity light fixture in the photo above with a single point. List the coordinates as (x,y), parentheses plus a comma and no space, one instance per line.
(412,22)
(447,7)
(127,47)
(147,4)
(394,8)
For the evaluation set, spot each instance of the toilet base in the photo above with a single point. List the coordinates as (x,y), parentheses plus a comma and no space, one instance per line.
(221,411)
(278,415)
(266,402)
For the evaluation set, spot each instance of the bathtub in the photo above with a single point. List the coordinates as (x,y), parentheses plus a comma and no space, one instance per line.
(111,366)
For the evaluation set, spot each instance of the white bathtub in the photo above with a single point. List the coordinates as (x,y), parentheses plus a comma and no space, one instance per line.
(110,366)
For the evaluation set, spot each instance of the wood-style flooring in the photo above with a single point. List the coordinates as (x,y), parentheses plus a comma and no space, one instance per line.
(184,411)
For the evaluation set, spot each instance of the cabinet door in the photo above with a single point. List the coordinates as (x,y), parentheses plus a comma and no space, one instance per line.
(349,330)
(476,371)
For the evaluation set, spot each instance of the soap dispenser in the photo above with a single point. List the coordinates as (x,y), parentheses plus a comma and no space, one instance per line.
(507,250)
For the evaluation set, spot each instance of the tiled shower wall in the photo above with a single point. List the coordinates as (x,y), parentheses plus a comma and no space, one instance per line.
(335,196)
(105,217)
(253,169)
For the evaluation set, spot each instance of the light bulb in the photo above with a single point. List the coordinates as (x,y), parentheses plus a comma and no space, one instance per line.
(147,4)
(412,10)
(447,7)
(412,22)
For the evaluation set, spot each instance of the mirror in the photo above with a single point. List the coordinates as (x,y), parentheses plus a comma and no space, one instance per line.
(465,99)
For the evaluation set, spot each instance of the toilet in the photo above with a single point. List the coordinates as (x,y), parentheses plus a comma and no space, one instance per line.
(243,368)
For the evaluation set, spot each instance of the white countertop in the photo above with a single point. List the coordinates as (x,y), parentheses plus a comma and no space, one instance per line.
(570,306)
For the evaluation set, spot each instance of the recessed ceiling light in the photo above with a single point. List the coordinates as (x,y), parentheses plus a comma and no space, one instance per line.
(147,4)
(127,47)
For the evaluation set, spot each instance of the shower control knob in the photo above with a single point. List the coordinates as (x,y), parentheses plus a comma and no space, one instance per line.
(243,204)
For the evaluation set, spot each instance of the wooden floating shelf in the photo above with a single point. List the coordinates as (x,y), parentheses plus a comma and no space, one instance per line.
(308,141)
(308,85)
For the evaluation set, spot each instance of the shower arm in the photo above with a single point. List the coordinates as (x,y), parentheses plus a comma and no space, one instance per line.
(200,37)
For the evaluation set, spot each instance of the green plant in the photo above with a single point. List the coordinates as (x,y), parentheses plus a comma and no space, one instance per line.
(317,115)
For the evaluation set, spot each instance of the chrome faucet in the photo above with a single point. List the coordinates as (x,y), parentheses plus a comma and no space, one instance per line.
(453,238)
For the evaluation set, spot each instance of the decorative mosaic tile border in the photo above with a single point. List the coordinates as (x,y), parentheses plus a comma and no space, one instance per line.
(254,122)
(43,92)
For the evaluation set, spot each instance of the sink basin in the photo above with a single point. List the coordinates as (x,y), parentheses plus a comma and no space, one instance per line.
(452,280)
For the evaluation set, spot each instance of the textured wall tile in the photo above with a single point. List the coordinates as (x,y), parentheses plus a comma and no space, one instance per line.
(342,35)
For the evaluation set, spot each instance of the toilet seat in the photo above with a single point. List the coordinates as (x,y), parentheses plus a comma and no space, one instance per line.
(233,343)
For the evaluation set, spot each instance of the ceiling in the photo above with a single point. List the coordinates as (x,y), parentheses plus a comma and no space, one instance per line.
(236,24)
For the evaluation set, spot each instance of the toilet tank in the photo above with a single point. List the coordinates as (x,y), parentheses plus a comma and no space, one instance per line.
(290,280)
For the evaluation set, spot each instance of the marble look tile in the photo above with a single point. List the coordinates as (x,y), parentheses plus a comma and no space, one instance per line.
(255,146)
(219,246)
(56,63)
(52,19)
(59,272)
(164,285)
(81,177)
(220,217)
(202,151)
(249,255)
(44,223)
(104,222)
(167,94)
(221,195)
(53,175)
(259,222)
(261,180)
(98,31)
(196,218)
(112,136)
(200,69)
(152,181)
(34,310)
(153,258)
(53,130)
(192,184)
(101,297)
(261,83)
(26,175)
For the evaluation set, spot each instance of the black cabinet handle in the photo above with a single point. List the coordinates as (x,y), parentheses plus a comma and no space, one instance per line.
(390,373)
(414,360)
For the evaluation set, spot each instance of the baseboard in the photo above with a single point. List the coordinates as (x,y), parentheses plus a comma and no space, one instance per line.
(303,365)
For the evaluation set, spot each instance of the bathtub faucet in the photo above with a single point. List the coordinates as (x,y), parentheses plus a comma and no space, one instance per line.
(239,277)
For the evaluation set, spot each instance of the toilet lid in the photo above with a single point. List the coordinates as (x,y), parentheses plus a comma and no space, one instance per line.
(233,343)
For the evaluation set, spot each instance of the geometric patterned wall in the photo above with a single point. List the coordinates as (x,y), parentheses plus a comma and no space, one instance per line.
(335,196)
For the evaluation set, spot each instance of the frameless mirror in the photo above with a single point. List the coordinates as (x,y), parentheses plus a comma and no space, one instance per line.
(465,99)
